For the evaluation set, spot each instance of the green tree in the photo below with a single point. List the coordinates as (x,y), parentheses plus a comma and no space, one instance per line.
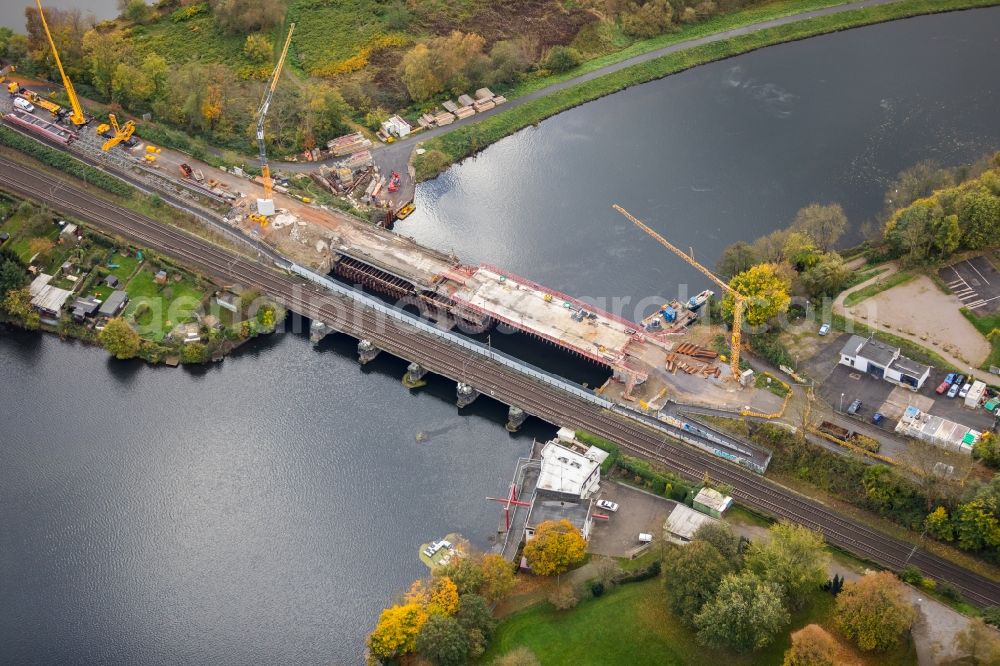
(119,339)
(874,611)
(987,449)
(827,276)
(811,646)
(466,573)
(823,224)
(556,547)
(692,574)
(258,48)
(17,304)
(13,272)
(736,258)
(476,619)
(508,59)
(794,558)
(979,216)
(976,524)
(443,641)
(939,525)
(561,59)
(947,235)
(722,537)
(244,16)
(919,181)
(193,352)
(765,291)
(746,613)
(104,50)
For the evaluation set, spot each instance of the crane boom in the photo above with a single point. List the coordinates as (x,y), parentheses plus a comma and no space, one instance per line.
(739,302)
(265,104)
(76,117)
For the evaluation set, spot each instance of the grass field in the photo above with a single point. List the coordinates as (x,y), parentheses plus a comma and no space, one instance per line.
(631,626)
(169,304)
(448,148)
(986,324)
(893,280)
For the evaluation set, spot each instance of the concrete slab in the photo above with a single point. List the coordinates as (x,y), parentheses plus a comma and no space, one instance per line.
(638,511)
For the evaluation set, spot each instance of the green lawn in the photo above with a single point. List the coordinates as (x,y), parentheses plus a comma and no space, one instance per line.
(986,324)
(170,304)
(894,280)
(126,265)
(631,626)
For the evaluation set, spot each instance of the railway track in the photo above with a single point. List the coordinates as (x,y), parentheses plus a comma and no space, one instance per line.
(495,380)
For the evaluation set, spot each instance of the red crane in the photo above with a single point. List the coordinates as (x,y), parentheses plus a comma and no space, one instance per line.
(509,501)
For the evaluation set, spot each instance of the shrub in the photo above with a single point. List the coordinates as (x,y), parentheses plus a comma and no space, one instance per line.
(597,589)
(562,59)
(64,162)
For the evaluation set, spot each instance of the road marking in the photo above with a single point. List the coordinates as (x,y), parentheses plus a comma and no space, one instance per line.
(973,267)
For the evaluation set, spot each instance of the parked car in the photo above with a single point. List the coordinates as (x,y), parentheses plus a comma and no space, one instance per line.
(942,387)
(854,408)
(24,104)
(959,380)
(645,538)
(608,505)
(824,329)
(950,378)
(965,390)
(877,418)
(953,391)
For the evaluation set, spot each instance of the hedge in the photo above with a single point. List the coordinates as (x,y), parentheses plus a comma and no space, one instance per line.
(64,162)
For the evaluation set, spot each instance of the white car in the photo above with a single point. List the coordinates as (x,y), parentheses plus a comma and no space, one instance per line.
(824,329)
(24,104)
(608,505)
(965,391)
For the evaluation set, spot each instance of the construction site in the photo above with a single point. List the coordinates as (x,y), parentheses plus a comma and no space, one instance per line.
(668,356)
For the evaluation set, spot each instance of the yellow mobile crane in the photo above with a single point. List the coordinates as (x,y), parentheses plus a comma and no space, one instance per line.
(121,132)
(76,115)
(265,205)
(739,302)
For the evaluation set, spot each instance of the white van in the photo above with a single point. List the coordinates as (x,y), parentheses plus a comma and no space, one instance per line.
(24,104)
(645,538)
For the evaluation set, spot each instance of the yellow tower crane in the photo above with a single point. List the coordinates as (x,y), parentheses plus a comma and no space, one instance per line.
(76,116)
(265,205)
(739,302)
(121,132)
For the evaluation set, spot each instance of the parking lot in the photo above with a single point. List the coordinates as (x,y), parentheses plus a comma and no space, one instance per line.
(638,511)
(874,394)
(975,282)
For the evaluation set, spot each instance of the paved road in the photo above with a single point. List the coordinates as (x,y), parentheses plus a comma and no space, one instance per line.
(398,153)
(491,378)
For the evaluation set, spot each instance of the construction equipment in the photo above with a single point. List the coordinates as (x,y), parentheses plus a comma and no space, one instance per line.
(12,86)
(122,133)
(57,111)
(265,205)
(739,302)
(76,116)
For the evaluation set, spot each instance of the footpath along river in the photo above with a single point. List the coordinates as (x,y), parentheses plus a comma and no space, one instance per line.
(264,510)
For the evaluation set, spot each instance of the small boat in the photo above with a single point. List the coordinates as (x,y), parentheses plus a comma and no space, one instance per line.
(696,302)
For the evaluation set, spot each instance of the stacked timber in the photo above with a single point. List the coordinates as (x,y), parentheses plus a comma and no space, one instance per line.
(464,112)
(348,144)
(465,100)
(675,362)
(444,118)
(701,353)
(484,105)
(357,161)
(450,106)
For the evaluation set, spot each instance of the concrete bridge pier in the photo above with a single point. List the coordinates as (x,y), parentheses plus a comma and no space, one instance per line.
(367,351)
(515,419)
(466,395)
(317,331)
(414,377)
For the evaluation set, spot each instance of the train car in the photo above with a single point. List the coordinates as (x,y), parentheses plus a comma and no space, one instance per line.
(40,127)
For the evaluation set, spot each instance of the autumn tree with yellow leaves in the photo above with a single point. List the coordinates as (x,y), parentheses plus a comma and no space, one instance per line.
(556,546)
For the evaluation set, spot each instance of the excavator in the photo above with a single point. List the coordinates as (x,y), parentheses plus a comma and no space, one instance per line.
(115,133)
(265,205)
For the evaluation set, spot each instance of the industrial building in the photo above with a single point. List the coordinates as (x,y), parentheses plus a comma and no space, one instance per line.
(711,502)
(683,522)
(936,430)
(883,361)
(569,467)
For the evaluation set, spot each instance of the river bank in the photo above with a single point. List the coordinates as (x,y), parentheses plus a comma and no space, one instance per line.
(444,150)
(64,278)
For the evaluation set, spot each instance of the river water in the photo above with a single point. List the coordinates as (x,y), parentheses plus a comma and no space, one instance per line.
(264,509)
(12,11)
(726,151)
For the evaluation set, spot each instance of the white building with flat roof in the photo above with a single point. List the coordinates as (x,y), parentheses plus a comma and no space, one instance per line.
(569,467)
(683,522)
